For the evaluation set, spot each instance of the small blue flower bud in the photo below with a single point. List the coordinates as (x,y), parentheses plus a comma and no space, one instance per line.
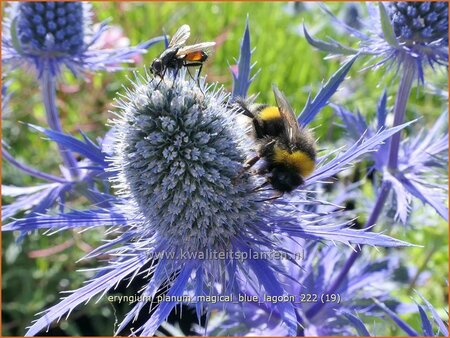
(39,7)
(49,15)
(417,23)
(425,7)
(406,33)
(37,19)
(427,32)
(432,17)
(411,11)
(51,25)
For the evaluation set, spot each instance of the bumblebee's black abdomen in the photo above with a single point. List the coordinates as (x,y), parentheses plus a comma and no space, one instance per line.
(285,179)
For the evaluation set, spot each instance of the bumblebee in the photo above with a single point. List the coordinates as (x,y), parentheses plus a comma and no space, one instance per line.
(288,149)
(177,55)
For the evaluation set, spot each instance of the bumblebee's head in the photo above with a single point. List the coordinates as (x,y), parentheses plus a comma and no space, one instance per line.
(157,67)
(285,179)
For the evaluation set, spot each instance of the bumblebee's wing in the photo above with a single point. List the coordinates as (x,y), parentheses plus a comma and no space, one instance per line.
(291,126)
(180,36)
(195,48)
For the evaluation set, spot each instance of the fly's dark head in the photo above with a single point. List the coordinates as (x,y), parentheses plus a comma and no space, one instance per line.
(157,67)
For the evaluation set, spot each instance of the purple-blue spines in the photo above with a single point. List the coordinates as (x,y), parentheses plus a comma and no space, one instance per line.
(416,22)
(51,26)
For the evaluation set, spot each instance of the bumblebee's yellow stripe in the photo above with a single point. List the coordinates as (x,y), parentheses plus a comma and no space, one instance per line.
(297,159)
(269,113)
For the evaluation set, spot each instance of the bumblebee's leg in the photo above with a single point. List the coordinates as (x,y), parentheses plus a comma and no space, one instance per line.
(247,165)
(265,148)
(245,111)
(256,121)
(251,162)
(258,188)
(280,194)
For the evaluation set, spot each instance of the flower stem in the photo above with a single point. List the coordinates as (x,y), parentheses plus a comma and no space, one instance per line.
(376,212)
(31,171)
(48,90)
(404,89)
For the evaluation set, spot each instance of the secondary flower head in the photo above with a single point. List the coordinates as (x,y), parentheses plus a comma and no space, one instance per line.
(419,23)
(48,35)
(411,34)
(56,27)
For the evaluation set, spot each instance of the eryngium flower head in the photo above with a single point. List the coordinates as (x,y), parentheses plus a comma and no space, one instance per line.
(51,26)
(410,34)
(419,22)
(187,218)
(48,35)
(178,154)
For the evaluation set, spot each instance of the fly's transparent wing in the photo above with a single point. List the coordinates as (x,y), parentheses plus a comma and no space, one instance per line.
(195,48)
(291,126)
(180,36)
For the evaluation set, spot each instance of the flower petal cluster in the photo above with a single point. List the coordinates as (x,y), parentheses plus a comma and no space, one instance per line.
(49,35)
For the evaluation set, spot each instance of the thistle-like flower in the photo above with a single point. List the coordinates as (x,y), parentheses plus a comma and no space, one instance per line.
(177,154)
(407,34)
(47,35)
(177,157)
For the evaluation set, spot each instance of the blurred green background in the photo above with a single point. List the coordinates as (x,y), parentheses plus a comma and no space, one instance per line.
(37,269)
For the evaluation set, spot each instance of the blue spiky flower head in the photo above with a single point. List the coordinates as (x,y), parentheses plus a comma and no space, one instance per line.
(411,34)
(48,35)
(185,216)
(51,27)
(178,153)
(419,22)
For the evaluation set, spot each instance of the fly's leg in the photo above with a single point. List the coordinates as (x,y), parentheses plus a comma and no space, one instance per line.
(162,78)
(175,76)
(198,75)
(190,75)
(195,64)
